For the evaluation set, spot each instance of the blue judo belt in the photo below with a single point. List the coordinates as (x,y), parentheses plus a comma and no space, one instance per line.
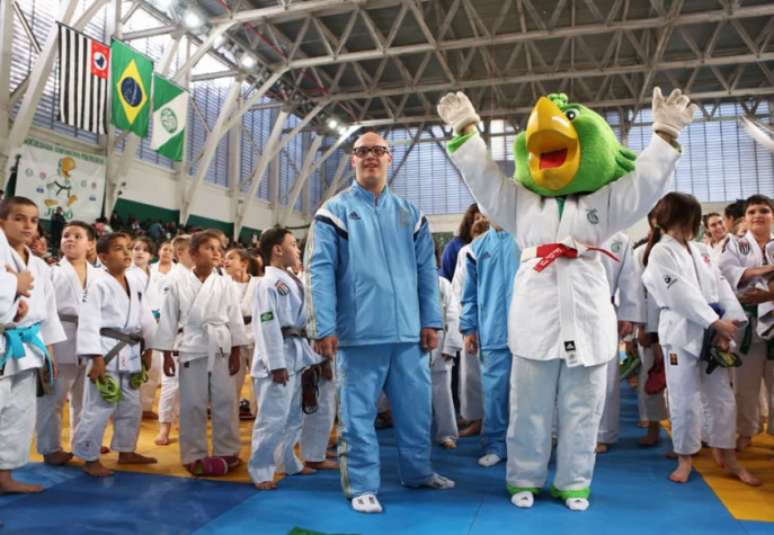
(16,337)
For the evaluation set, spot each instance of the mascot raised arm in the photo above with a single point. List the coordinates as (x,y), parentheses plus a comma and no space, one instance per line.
(575,186)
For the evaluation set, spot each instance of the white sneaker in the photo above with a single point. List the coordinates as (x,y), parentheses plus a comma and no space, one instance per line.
(577,504)
(524,499)
(366,503)
(490,459)
(437,481)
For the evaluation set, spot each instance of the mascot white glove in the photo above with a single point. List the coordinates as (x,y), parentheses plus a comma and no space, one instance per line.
(673,113)
(457,111)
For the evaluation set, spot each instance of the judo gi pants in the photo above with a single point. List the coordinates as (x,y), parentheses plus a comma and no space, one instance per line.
(652,407)
(609,425)
(48,425)
(245,363)
(277,428)
(198,390)
(687,383)
(148,389)
(495,381)
(444,418)
(470,389)
(316,427)
(578,393)
(17,418)
(755,367)
(402,370)
(169,399)
(96,413)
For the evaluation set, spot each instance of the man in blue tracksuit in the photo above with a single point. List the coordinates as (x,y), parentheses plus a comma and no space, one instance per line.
(372,294)
(492,263)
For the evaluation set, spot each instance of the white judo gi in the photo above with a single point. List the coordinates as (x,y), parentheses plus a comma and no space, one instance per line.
(18,376)
(108,305)
(450,341)
(684,284)
(470,386)
(625,290)
(279,306)
(154,293)
(738,255)
(71,370)
(652,407)
(169,398)
(245,292)
(212,324)
(562,326)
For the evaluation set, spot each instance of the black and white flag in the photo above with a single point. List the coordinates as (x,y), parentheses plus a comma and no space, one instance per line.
(83,80)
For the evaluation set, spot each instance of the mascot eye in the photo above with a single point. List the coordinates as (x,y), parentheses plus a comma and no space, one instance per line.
(571,114)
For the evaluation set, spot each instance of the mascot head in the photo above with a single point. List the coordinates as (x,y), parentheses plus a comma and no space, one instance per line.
(568,149)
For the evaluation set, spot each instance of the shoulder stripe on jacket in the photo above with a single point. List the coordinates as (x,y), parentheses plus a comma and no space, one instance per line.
(325,216)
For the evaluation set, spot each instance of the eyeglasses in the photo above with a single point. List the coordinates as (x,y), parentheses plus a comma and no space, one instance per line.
(376,150)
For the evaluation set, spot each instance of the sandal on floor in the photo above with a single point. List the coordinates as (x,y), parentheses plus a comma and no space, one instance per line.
(209,466)
(232,461)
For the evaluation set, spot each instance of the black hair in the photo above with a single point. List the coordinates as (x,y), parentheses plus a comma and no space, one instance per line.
(7,205)
(270,238)
(106,241)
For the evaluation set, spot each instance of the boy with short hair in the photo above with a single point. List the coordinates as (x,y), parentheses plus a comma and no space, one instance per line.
(27,363)
(213,331)
(70,278)
(114,322)
(278,363)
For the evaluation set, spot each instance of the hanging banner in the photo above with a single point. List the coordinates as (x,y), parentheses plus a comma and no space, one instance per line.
(54,176)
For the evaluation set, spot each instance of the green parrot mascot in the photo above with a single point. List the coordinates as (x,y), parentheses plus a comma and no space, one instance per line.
(575,186)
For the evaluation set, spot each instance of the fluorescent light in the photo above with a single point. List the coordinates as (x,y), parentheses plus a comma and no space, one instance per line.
(192,20)
(219,40)
(333,123)
(247,61)
(163,5)
(342,130)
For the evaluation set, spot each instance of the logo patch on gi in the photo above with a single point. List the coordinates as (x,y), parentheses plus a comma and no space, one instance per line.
(569,346)
(282,288)
(673,359)
(744,246)
(616,247)
(267,316)
(354,216)
(669,280)
(592,216)
(706,259)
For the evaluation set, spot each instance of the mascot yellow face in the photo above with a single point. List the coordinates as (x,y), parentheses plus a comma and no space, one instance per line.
(568,149)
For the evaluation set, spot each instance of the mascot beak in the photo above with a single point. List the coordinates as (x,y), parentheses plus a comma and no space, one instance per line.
(553,146)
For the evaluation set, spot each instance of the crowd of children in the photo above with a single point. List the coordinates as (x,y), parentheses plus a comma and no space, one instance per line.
(104,328)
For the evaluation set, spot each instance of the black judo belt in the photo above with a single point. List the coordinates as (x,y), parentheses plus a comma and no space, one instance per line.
(247,319)
(69,318)
(712,354)
(293,332)
(310,385)
(124,340)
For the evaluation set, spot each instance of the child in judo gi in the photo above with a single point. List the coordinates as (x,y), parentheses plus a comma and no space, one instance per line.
(278,362)
(115,327)
(30,325)
(205,304)
(699,316)
(70,278)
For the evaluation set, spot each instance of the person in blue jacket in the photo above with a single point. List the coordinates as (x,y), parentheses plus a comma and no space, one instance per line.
(373,303)
(492,263)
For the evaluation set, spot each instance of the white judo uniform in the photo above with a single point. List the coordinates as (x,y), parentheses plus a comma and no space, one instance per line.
(71,369)
(562,326)
(652,407)
(154,293)
(738,255)
(625,290)
(470,387)
(108,305)
(212,324)
(684,284)
(169,398)
(281,322)
(18,375)
(245,292)
(450,341)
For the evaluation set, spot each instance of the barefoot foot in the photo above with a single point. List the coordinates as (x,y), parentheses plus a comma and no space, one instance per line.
(602,447)
(132,457)
(96,469)
(58,458)
(266,485)
(327,464)
(11,486)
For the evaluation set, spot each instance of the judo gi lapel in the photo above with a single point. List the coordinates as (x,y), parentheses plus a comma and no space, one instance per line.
(206,314)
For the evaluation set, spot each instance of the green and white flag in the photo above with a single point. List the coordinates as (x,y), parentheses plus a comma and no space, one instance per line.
(170,110)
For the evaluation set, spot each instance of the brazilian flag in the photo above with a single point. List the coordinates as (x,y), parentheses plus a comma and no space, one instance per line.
(131,82)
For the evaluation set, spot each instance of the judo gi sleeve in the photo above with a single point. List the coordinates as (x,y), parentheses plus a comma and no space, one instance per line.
(148,323)
(452,341)
(427,276)
(631,305)
(671,290)
(166,332)
(88,339)
(320,299)
(7,292)
(469,317)
(730,263)
(51,330)
(727,298)
(269,324)
(236,322)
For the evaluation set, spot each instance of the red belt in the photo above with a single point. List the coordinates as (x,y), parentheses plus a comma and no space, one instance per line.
(549,252)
